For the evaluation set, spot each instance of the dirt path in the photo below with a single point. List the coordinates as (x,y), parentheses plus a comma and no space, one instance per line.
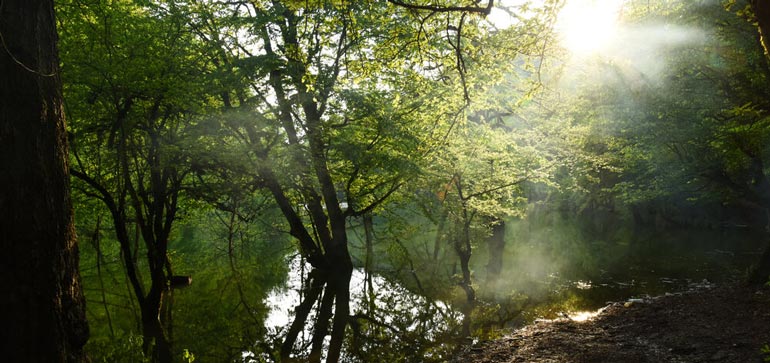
(705,324)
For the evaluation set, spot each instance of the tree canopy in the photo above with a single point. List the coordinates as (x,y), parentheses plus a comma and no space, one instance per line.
(226,153)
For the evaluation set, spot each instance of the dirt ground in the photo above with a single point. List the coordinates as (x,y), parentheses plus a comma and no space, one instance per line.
(704,324)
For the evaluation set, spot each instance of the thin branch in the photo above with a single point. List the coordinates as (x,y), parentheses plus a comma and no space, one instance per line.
(447,9)
(377,202)
(499,187)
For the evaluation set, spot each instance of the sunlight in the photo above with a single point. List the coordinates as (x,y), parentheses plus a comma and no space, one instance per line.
(502,14)
(588,26)
(582,316)
(500,18)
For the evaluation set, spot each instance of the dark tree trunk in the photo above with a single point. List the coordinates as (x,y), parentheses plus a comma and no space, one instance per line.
(327,248)
(340,283)
(760,188)
(156,340)
(762,13)
(157,343)
(42,308)
(760,274)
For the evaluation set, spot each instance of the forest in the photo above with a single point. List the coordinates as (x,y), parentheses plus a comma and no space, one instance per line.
(381,181)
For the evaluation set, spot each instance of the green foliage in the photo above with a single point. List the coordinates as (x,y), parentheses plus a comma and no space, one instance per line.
(670,138)
(438,125)
(123,348)
(234,268)
(765,350)
(188,357)
(219,316)
(134,88)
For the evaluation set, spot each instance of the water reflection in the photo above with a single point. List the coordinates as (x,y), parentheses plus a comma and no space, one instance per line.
(387,320)
(551,279)
(588,273)
(283,299)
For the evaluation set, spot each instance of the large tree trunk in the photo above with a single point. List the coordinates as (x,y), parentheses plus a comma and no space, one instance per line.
(762,13)
(340,283)
(157,343)
(42,308)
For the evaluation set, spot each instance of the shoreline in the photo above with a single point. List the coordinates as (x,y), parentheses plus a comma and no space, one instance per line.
(707,323)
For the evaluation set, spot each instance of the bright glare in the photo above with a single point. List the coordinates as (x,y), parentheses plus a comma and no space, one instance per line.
(588,26)
(583,316)
(500,18)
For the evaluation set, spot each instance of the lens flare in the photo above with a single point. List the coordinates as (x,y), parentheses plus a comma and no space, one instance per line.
(588,26)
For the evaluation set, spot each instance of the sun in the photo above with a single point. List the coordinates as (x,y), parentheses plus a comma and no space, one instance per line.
(588,26)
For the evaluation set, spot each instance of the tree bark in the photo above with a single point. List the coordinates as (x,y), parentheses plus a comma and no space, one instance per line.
(156,342)
(761,10)
(43,310)
(340,284)
(762,13)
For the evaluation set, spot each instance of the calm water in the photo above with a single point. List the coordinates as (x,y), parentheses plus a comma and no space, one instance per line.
(555,273)
(391,300)
(616,270)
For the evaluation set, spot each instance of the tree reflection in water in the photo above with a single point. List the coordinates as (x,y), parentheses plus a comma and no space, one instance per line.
(387,322)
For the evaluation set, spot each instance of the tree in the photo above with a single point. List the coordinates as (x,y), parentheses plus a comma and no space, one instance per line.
(485,170)
(761,11)
(42,306)
(356,105)
(135,86)
(340,119)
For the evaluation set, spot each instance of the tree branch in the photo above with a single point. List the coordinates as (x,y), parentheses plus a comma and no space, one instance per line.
(499,187)
(447,9)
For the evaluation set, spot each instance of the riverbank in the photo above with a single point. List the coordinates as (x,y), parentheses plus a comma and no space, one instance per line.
(706,323)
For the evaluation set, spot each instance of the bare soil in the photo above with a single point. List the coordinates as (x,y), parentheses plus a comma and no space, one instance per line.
(703,324)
